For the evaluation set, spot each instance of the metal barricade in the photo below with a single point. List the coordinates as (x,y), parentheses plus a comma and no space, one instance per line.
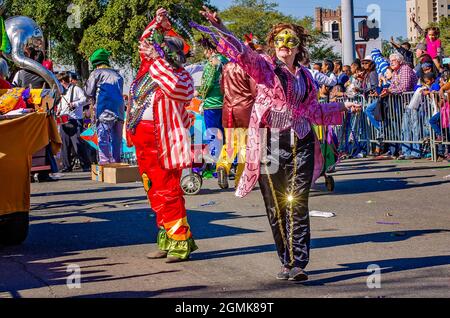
(406,124)
(440,124)
(353,134)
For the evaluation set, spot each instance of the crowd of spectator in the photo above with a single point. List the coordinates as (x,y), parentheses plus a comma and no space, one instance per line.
(395,84)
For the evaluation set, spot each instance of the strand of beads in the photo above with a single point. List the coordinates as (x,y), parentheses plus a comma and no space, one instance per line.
(185,30)
(140,91)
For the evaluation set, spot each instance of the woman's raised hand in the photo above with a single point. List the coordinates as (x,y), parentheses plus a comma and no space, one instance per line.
(212,17)
(352,107)
(162,20)
(147,50)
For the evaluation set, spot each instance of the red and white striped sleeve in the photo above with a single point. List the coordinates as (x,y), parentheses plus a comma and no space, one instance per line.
(175,85)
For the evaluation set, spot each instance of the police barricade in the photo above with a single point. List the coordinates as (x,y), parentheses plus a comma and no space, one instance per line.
(401,121)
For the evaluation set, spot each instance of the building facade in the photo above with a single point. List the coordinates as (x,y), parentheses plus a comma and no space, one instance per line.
(325,18)
(426,12)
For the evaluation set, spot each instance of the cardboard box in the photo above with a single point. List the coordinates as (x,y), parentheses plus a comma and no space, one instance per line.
(97,173)
(121,173)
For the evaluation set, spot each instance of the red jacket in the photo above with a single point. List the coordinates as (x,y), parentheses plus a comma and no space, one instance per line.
(239,96)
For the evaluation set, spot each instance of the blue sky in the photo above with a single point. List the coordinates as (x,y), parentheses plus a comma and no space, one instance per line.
(393,12)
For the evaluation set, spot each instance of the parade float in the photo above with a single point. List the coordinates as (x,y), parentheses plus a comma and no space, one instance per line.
(27,125)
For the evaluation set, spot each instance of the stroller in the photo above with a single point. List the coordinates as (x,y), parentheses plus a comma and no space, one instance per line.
(328,145)
(191,178)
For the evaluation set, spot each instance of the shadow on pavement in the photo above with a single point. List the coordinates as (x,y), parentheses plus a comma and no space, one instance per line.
(323,242)
(87,191)
(386,266)
(26,266)
(386,169)
(143,294)
(372,185)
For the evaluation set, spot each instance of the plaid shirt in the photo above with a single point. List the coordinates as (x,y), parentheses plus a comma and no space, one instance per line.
(403,80)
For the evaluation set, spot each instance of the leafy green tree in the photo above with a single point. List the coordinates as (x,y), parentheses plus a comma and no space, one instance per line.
(113,24)
(52,16)
(319,52)
(444,26)
(259,16)
(123,22)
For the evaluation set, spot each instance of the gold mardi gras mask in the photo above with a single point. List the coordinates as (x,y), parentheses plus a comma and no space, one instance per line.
(286,38)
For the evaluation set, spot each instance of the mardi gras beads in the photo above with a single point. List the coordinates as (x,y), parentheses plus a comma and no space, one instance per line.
(185,30)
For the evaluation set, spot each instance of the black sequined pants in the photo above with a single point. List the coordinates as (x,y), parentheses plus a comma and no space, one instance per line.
(286,193)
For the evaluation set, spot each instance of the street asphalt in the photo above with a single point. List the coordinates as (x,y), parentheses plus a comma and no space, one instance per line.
(391,215)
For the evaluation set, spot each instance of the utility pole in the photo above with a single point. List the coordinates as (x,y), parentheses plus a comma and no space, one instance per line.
(348,32)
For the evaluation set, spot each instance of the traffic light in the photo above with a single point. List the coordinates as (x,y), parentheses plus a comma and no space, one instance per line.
(367,33)
(363,30)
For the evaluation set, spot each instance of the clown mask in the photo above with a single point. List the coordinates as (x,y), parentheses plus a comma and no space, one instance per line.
(286,38)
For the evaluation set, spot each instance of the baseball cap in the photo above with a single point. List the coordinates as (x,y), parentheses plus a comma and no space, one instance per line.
(421,46)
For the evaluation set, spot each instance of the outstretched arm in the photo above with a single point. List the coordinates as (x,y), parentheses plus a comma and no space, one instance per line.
(417,26)
(394,44)
(254,64)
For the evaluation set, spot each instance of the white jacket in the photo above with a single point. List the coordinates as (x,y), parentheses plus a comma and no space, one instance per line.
(78,99)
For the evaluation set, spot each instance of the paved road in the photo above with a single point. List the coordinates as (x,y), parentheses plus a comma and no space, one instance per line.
(107,231)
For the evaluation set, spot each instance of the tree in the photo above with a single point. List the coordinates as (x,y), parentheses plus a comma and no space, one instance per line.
(444,26)
(319,52)
(113,24)
(52,16)
(258,17)
(123,22)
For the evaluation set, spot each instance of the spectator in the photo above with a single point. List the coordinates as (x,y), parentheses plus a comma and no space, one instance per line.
(422,58)
(427,68)
(71,105)
(403,77)
(317,67)
(403,80)
(435,121)
(327,69)
(381,64)
(411,118)
(342,77)
(356,66)
(4,73)
(369,77)
(405,50)
(347,70)
(319,78)
(354,82)
(433,43)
